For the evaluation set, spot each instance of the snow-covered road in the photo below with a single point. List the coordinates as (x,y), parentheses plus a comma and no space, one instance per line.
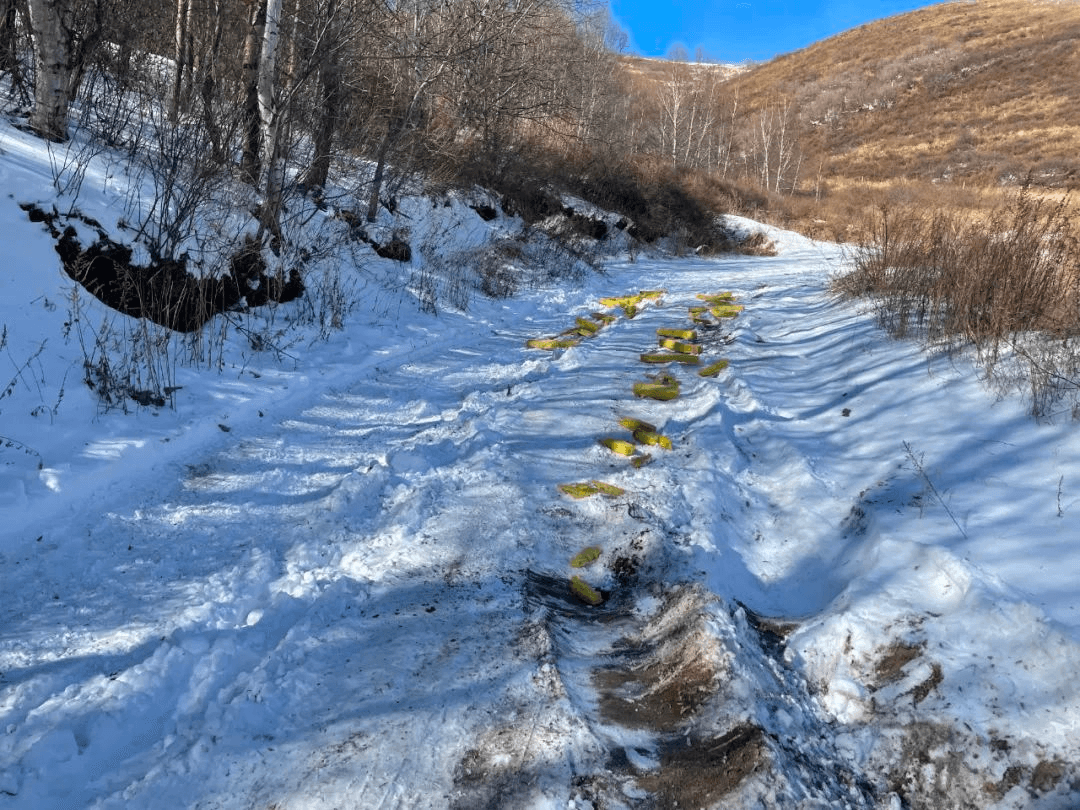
(850,582)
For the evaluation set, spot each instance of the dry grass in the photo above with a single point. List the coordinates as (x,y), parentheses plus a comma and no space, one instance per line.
(843,208)
(1006,284)
(936,103)
(981,279)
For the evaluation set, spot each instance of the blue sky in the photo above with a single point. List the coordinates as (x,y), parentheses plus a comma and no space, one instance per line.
(737,30)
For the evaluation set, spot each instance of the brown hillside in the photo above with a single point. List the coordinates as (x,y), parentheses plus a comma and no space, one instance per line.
(946,107)
(981,92)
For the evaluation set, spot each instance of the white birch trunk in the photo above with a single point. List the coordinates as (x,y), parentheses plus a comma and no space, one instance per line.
(270,118)
(53,74)
(267,78)
(183,23)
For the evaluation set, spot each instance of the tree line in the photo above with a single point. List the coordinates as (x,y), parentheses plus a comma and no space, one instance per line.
(274,91)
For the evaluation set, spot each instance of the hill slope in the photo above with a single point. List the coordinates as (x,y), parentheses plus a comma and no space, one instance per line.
(980,92)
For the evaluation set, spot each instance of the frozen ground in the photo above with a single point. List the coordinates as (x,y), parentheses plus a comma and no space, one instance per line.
(342,579)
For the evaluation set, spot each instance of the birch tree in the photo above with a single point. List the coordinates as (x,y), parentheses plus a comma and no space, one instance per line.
(64,33)
(250,162)
(54,74)
(270,118)
(184,56)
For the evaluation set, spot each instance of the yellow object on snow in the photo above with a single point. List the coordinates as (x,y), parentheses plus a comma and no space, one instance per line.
(713,369)
(581,589)
(642,436)
(716,298)
(632,424)
(728,311)
(657,358)
(608,490)
(552,343)
(586,556)
(586,489)
(620,446)
(678,334)
(664,388)
(680,346)
(588,326)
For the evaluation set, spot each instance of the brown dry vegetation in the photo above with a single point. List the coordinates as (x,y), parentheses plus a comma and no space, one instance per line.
(968,92)
(1006,283)
(941,107)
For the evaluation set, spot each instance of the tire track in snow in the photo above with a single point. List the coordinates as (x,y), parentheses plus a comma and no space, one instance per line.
(402,611)
(287,568)
(644,671)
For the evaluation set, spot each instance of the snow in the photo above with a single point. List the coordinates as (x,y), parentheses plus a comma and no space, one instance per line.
(338,577)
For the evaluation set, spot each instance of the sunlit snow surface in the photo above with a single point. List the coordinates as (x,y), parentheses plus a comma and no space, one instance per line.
(314,583)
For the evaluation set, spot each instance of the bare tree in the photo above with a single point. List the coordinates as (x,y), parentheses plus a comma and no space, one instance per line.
(775,149)
(424,40)
(10,11)
(184,55)
(726,137)
(209,81)
(329,97)
(595,73)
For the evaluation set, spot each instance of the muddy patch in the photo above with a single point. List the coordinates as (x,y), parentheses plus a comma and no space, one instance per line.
(941,766)
(696,774)
(889,667)
(660,697)
(935,765)
(772,633)
(660,682)
(489,777)
(555,594)
(929,763)
(924,688)
(677,700)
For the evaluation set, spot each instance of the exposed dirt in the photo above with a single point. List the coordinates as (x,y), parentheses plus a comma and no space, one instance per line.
(658,688)
(668,688)
(772,633)
(485,212)
(695,774)
(938,766)
(487,777)
(1046,775)
(661,680)
(889,667)
(920,692)
(163,291)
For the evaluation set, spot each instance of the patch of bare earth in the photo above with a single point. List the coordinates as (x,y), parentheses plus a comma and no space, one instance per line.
(698,773)
(929,762)
(487,778)
(889,668)
(659,682)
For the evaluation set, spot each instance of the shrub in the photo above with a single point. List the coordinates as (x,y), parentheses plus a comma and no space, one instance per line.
(1007,285)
